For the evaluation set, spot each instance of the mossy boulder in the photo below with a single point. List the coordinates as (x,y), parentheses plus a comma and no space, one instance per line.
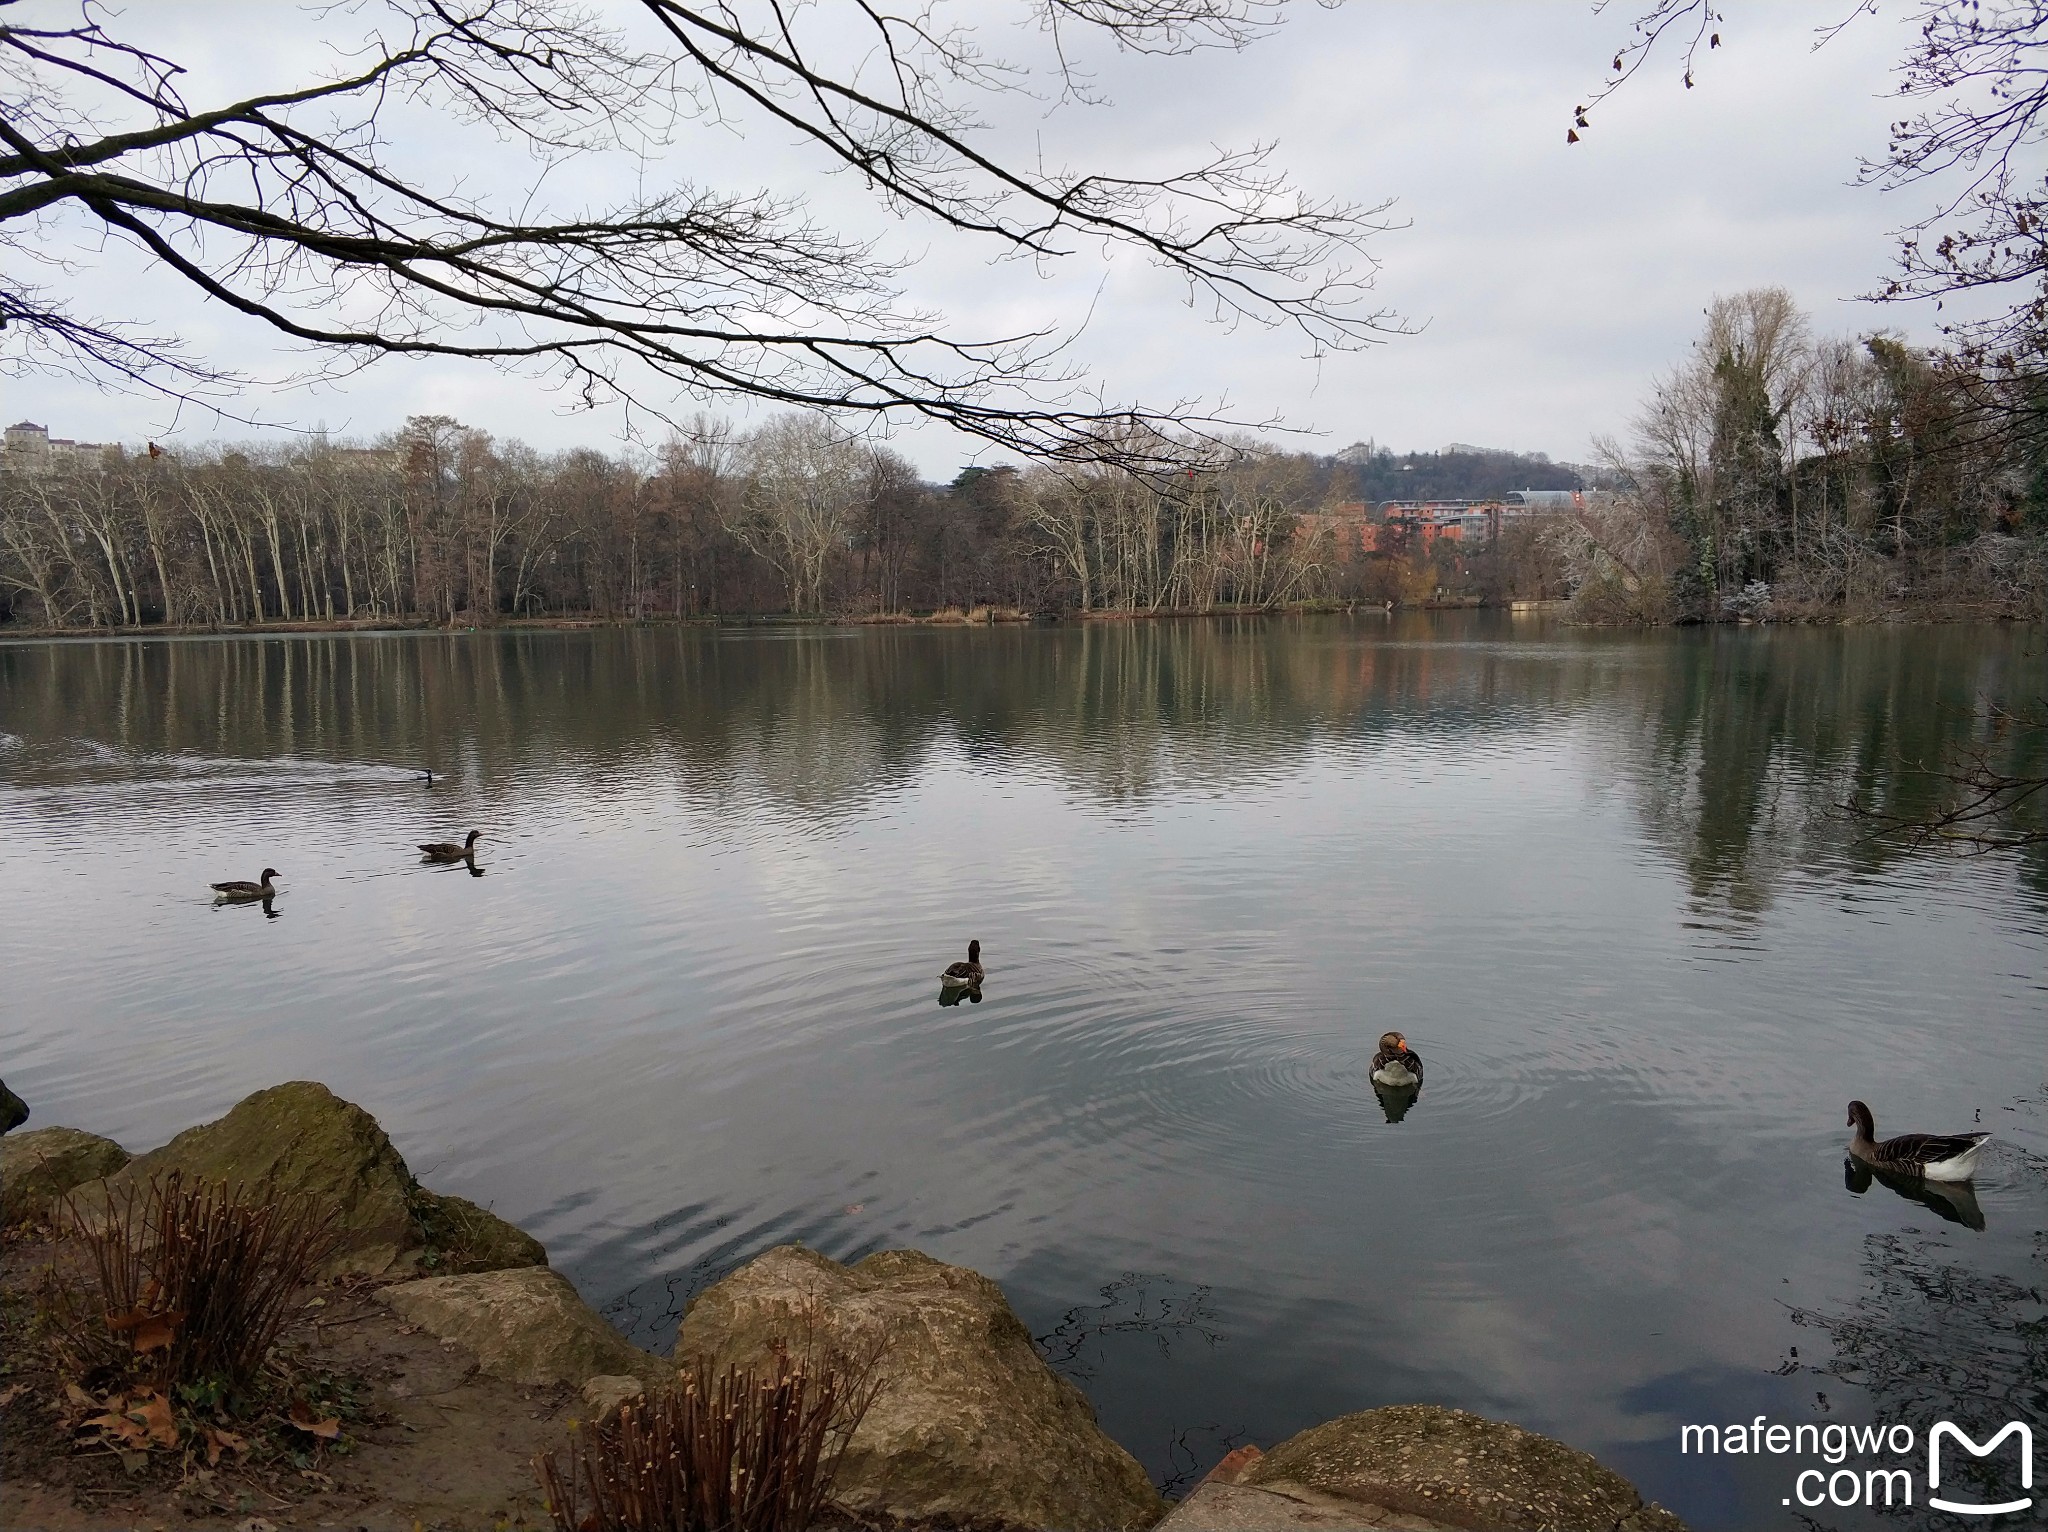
(302,1138)
(462,1237)
(526,1325)
(969,1428)
(1459,1470)
(38,1167)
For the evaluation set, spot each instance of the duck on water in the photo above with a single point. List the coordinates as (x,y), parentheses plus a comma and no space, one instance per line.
(1396,1063)
(239,889)
(448,850)
(968,973)
(1930,1156)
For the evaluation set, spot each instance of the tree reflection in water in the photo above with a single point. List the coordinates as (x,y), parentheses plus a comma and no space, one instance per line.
(1933,1336)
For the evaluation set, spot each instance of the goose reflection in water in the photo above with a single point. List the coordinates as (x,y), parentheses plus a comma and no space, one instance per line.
(1396,1099)
(953,994)
(265,902)
(1953,1201)
(466,864)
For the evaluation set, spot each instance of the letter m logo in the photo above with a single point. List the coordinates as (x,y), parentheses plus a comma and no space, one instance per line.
(1970,1508)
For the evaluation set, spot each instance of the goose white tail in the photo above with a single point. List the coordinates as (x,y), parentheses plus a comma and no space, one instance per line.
(1957,1167)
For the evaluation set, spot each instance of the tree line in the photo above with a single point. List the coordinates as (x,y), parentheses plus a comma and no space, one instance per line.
(440,522)
(1777,473)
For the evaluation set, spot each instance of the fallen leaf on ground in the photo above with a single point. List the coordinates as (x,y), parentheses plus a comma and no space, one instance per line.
(154,1412)
(9,1395)
(119,1427)
(219,1441)
(80,1397)
(302,1418)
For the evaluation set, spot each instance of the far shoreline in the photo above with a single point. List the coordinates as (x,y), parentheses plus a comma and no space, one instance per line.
(975,617)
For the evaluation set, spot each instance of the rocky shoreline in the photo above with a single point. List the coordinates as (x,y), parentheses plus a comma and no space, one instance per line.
(969,1430)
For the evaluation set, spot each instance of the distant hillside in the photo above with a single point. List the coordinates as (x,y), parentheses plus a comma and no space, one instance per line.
(1366,472)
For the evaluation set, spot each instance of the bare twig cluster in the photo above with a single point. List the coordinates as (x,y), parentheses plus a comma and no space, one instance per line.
(299,209)
(1989,806)
(1978,118)
(727,1451)
(192,1283)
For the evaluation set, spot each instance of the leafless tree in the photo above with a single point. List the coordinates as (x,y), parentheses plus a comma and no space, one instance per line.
(806,482)
(1976,95)
(298,207)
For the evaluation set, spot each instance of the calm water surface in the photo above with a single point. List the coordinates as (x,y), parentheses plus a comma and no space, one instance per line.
(691,1008)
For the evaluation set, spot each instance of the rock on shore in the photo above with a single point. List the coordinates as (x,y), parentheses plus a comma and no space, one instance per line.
(302,1138)
(38,1167)
(13,1110)
(1425,1468)
(970,1429)
(526,1325)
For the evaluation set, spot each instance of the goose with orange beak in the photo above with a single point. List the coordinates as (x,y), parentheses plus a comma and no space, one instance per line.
(1396,1063)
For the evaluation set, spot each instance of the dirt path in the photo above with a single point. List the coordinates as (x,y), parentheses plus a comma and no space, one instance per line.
(429,1442)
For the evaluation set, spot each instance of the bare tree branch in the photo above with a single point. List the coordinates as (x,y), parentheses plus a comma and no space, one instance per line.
(295,209)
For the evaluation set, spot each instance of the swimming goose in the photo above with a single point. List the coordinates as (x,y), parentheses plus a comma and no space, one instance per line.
(1935,1156)
(969,972)
(1953,1201)
(243,889)
(1396,1063)
(448,851)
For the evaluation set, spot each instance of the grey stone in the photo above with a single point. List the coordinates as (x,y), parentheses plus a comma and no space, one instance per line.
(607,1391)
(969,1429)
(38,1167)
(527,1325)
(1461,1470)
(1221,1506)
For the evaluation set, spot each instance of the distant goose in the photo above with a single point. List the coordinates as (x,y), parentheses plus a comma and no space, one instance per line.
(242,889)
(1396,1063)
(969,972)
(1934,1156)
(448,851)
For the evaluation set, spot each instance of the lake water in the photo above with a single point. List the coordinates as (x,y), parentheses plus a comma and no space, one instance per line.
(691,1008)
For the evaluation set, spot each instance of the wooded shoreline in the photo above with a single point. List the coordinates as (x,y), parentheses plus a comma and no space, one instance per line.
(1928,614)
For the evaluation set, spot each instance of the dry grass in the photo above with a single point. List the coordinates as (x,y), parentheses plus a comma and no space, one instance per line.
(737,1451)
(190,1284)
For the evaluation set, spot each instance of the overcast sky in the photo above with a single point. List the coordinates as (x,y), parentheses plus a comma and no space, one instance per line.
(1550,282)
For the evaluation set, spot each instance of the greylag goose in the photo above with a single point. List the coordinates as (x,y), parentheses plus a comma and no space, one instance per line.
(448,851)
(241,888)
(970,972)
(1932,1156)
(1396,1063)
